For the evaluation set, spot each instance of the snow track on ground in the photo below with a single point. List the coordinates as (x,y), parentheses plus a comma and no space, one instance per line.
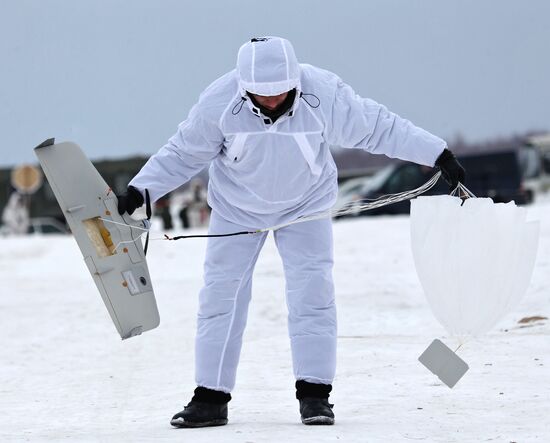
(65,374)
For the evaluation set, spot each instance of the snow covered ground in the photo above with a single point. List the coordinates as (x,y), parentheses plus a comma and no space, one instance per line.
(66,375)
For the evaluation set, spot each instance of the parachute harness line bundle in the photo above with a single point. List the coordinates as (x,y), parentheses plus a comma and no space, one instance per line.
(353,207)
(365,204)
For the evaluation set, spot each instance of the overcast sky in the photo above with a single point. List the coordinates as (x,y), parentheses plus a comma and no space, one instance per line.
(118,76)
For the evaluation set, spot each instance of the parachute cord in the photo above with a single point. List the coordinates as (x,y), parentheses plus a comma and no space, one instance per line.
(134,240)
(179,237)
(466,193)
(350,208)
(123,224)
(347,209)
(364,204)
(462,340)
(166,237)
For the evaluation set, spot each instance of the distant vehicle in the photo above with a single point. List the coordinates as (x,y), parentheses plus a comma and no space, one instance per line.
(351,190)
(531,163)
(496,175)
(47,225)
(535,163)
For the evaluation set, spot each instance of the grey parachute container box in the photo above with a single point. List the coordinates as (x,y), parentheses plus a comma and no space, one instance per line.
(444,363)
(113,253)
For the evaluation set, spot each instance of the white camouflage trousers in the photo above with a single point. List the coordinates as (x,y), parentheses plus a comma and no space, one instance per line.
(306,250)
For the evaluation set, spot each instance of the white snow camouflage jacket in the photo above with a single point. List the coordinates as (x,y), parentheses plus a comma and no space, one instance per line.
(263,173)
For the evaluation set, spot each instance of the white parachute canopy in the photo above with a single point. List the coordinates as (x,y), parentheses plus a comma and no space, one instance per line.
(474,259)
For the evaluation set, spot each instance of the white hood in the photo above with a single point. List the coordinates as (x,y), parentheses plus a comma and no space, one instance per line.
(268,66)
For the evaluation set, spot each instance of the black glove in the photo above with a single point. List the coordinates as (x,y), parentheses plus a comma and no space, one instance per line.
(129,201)
(451,169)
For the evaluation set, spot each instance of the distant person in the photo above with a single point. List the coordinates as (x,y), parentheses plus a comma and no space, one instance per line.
(162,209)
(15,215)
(265,128)
(194,200)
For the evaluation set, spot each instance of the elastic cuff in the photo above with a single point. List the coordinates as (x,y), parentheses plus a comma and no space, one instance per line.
(138,195)
(445,156)
(206,395)
(316,390)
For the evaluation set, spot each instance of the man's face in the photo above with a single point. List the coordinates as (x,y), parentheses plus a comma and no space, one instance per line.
(270,102)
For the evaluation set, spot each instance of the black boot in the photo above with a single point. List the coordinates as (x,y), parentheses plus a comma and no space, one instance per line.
(206,408)
(314,406)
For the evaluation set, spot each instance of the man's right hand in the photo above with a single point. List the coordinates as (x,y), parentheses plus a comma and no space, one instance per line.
(129,201)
